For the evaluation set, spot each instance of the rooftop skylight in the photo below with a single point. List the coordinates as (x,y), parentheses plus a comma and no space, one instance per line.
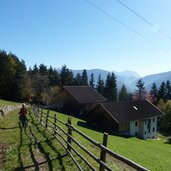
(135,107)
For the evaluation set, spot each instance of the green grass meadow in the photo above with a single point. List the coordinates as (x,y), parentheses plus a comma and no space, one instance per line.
(33,148)
(5,103)
(152,154)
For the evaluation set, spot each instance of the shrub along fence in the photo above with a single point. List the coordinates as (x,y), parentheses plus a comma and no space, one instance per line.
(64,134)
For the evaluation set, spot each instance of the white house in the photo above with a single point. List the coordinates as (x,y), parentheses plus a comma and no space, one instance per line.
(146,128)
(136,118)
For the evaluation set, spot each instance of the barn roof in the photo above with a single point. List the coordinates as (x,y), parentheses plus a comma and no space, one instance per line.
(85,94)
(131,110)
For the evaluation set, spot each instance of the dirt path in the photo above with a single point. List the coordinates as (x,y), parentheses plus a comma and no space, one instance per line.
(29,148)
(3,148)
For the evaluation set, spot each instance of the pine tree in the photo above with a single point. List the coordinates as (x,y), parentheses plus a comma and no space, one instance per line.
(168,90)
(140,93)
(54,77)
(43,70)
(162,92)
(111,87)
(66,76)
(12,71)
(91,83)
(84,78)
(35,69)
(77,80)
(123,94)
(153,93)
(100,86)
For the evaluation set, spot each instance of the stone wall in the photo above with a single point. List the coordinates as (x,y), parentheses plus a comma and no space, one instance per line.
(7,109)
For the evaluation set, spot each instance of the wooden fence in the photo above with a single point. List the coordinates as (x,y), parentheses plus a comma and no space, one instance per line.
(71,145)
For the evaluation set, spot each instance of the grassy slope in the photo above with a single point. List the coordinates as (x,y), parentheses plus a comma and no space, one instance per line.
(31,148)
(34,146)
(152,154)
(5,102)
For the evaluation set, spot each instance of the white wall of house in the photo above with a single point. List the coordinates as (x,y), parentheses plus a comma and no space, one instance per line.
(134,128)
(146,129)
(150,128)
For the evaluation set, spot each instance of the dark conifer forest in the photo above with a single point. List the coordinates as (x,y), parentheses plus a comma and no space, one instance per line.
(40,84)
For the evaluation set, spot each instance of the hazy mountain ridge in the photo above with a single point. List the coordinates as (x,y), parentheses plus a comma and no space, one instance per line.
(157,78)
(129,74)
(125,77)
(129,78)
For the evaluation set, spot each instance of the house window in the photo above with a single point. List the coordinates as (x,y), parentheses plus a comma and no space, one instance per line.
(148,130)
(145,132)
(153,129)
(149,124)
(136,123)
(153,119)
(136,134)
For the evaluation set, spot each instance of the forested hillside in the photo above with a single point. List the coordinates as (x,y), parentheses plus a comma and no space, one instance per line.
(40,84)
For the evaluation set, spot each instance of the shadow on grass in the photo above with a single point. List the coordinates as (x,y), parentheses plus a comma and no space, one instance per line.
(100,129)
(167,135)
(32,138)
(3,128)
(48,141)
(35,143)
(20,161)
(90,126)
(169,140)
(50,144)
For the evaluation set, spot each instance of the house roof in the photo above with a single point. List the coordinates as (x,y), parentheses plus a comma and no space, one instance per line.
(131,110)
(85,94)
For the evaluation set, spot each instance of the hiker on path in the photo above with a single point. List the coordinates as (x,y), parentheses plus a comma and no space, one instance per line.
(23,113)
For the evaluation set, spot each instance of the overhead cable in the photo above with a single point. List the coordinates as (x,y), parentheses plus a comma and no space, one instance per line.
(115,19)
(143,19)
(128,27)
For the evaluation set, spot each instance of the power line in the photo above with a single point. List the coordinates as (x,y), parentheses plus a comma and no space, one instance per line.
(143,18)
(115,19)
(128,27)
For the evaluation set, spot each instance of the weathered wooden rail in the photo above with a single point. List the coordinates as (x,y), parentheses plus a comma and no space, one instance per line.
(66,138)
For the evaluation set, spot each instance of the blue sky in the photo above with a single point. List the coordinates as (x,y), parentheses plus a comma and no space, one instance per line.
(89,34)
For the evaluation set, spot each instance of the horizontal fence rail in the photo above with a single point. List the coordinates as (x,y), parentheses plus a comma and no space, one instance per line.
(63,132)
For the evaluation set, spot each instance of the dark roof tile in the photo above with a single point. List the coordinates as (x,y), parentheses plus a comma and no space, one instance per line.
(131,110)
(85,94)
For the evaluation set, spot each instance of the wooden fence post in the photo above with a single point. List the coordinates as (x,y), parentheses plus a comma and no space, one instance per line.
(40,115)
(69,133)
(38,108)
(103,152)
(47,117)
(55,121)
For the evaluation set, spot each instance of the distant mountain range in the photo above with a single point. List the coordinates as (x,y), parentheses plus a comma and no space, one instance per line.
(129,78)
(157,78)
